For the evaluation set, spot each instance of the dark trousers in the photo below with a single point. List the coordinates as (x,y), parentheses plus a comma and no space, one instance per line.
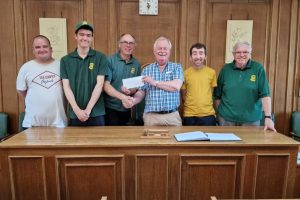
(200,121)
(116,118)
(92,121)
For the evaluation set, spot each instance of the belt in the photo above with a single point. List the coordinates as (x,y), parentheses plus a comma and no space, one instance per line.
(165,111)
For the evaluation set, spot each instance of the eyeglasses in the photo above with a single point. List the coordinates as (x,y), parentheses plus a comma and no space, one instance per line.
(241,52)
(128,43)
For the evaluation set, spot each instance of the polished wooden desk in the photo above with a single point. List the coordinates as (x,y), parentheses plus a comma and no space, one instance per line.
(88,163)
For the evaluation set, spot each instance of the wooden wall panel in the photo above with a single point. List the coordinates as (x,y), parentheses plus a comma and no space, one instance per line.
(275,38)
(221,12)
(147,28)
(271,180)
(1,92)
(26,17)
(281,68)
(8,54)
(105,177)
(292,86)
(152,176)
(296,75)
(22,181)
(72,10)
(297,183)
(193,29)
(101,19)
(215,175)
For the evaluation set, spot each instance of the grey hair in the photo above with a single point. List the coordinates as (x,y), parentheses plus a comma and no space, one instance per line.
(244,43)
(160,39)
(121,36)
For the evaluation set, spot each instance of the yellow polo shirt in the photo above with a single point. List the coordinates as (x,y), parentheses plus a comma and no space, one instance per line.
(199,84)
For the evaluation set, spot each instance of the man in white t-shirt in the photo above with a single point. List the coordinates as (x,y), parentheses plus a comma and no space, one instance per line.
(40,84)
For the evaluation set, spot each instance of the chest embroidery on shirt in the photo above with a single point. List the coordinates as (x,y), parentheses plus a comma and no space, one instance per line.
(132,70)
(253,78)
(91,66)
(46,79)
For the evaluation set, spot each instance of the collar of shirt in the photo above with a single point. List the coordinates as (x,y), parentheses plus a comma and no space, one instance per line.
(165,67)
(91,52)
(121,59)
(248,66)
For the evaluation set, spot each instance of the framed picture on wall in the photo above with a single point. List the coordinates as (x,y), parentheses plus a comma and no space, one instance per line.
(56,30)
(237,31)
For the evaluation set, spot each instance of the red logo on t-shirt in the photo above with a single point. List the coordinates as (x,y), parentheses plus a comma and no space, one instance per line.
(46,79)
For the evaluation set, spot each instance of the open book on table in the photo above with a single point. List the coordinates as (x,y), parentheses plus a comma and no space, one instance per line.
(201,136)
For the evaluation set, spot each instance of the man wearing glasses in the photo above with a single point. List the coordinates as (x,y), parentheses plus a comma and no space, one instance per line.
(83,72)
(121,65)
(243,91)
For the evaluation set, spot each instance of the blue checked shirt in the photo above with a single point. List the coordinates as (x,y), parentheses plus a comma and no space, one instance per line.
(157,99)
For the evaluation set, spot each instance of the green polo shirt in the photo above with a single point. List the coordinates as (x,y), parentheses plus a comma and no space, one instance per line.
(118,69)
(82,75)
(240,92)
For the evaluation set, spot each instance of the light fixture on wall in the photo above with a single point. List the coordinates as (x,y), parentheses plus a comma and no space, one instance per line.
(148,7)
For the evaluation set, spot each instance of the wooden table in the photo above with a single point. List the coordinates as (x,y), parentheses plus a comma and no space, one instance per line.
(115,162)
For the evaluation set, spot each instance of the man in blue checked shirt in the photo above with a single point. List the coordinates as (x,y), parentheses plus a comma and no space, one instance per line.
(163,80)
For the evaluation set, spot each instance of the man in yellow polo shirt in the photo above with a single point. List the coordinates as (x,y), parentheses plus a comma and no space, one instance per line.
(197,90)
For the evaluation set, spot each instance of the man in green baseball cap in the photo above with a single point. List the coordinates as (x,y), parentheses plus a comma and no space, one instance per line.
(84,25)
(82,73)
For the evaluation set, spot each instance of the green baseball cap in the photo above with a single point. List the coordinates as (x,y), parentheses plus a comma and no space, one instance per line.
(85,25)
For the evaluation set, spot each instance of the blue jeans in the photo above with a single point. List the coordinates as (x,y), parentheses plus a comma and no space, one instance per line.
(200,121)
(92,121)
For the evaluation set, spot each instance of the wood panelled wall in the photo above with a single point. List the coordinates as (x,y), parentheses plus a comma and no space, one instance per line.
(275,38)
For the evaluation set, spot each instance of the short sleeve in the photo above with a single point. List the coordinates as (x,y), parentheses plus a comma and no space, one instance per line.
(263,85)
(109,70)
(178,72)
(145,72)
(63,70)
(183,87)
(21,80)
(139,71)
(219,88)
(214,79)
(103,68)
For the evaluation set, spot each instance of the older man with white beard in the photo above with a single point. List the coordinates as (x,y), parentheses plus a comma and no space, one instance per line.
(163,80)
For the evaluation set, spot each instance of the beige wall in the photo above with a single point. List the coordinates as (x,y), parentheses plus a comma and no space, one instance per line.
(275,38)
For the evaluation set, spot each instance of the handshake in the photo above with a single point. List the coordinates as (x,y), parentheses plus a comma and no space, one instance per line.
(128,101)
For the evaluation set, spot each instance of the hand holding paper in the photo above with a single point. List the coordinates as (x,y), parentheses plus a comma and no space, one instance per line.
(125,90)
(133,82)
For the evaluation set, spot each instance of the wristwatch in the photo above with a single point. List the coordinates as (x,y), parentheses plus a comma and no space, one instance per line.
(268,116)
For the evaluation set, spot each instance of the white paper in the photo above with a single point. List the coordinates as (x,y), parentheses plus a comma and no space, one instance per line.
(191,136)
(223,137)
(201,136)
(133,82)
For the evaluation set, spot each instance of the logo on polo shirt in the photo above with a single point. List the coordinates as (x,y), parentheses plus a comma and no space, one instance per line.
(91,66)
(132,70)
(253,78)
